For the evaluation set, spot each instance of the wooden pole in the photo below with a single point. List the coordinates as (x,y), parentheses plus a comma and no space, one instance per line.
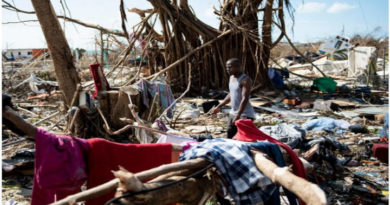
(110,186)
(101,49)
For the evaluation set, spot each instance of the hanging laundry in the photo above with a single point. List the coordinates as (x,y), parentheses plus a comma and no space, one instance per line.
(246,184)
(151,88)
(59,168)
(105,156)
(99,79)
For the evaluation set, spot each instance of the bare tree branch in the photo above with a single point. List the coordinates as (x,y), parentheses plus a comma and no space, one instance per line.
(10,7)
(295,48)
(14,22)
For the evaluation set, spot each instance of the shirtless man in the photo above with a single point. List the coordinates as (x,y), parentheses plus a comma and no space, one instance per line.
(239,89)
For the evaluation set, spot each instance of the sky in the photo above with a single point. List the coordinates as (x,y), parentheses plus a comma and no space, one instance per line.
(314,20)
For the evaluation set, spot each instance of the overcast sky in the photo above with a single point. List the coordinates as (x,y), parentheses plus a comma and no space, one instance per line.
(314,20)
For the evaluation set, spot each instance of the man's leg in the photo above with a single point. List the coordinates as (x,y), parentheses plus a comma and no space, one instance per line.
(231,128)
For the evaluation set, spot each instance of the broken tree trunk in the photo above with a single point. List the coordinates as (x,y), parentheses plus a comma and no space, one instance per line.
(61,55)
(60,52)
(87,123)
(262,74)
(190,191)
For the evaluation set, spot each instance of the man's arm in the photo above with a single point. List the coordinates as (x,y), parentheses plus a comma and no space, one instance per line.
(225,101)
(246,90)
(20,123)
(218,108)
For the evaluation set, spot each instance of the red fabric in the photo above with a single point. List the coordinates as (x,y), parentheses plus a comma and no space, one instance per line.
(94,68)
(248,132)
(381,151)
(105,156)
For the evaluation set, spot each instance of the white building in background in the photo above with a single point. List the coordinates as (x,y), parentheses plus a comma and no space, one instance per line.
(24,53)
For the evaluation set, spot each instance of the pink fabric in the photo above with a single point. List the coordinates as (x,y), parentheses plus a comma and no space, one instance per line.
(60,166)
(187,145)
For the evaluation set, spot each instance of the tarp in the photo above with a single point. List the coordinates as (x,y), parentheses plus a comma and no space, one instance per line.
(325,84)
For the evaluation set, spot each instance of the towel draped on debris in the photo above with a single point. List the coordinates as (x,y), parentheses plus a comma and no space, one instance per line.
(61,164)
(105,156)
(152,88)
(59,168)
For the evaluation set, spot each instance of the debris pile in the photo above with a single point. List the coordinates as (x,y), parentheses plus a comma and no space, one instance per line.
(119,129)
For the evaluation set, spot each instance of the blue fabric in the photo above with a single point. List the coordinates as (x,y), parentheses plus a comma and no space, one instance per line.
(325,123)
(276,78)
(164,90)
(233,159)
(385,130)
(273,151)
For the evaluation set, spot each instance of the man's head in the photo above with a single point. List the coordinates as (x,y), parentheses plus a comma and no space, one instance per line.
(233,66)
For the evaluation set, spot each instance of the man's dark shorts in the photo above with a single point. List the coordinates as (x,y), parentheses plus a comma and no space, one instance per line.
(231,128)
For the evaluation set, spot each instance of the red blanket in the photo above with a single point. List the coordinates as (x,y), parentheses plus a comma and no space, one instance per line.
(105,156)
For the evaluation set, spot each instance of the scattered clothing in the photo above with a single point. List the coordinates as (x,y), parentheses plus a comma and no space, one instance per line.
(358,129)
(325,123)
(385,130)
(169,138)
(105,156)
(201,138)
(187,110)
(325,84)
(292,135)
(151,88)
(231,127)
(60,166)
(246,184)
(248,132)
(276,78)
(97,79)
(381,151)
(161,125)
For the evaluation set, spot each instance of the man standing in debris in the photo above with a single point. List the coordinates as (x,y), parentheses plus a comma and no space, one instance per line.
(239,89)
